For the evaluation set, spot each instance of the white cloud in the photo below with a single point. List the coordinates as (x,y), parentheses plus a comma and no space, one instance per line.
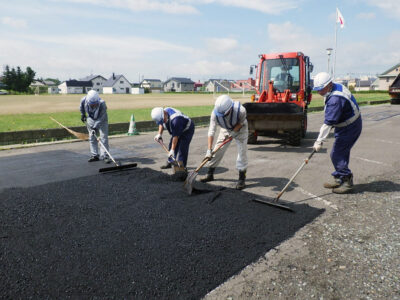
(208,68)
(366,16)
(16,23)
(171,7)
(390,7)
(221,45)
(264,6)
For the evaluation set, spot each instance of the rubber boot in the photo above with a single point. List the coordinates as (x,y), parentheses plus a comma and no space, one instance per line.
(167,165)
(334,182)
(240,185)
(346,187)
(209,176)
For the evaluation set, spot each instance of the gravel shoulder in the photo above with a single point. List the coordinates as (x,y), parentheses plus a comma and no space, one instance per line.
(352,253)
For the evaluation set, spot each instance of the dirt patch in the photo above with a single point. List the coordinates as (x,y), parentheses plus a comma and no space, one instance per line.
(133,234)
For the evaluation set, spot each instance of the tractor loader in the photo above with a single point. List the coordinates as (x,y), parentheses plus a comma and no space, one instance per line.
(279,108)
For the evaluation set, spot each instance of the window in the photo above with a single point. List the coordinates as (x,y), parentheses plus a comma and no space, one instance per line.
(121,82)
(285,73)
(98,83)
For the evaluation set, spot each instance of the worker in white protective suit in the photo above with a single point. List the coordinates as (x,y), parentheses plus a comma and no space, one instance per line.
(94,114)
(231,117)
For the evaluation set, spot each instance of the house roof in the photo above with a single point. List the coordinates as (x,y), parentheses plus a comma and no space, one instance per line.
(151,80)
(113,79)
(391,69)
(78,83)
(91,77)
(180,80)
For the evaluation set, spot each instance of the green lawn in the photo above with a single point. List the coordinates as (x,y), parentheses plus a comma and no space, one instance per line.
(17,122)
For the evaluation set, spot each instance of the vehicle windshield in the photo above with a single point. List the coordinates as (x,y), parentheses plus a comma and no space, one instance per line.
(284,72)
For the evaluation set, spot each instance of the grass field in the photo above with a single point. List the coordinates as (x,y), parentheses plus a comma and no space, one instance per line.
(25,112)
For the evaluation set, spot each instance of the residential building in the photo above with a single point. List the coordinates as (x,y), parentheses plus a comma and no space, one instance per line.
(217,85)
(117,84)
(198,86)
(97,82)
(74,86)
(387,77)
(179,84)
(153,85)
(247,84)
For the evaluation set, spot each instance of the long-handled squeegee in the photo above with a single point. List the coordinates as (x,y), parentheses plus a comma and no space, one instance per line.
(274,202)
(118,166)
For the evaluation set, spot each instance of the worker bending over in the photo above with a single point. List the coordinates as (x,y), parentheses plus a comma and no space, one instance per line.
(181,129)
(96,122)
(342,113)
(231,117)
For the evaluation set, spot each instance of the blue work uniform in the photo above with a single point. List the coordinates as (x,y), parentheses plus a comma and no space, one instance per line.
(343,113)
(183,127)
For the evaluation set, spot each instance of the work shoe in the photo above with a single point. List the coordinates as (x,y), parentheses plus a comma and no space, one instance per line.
(240,185)
(106,160)
(334,182)
(94,158)
(167,165)
(209,176)
(346,187)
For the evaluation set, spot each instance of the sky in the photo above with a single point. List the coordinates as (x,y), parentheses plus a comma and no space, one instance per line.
(197,39)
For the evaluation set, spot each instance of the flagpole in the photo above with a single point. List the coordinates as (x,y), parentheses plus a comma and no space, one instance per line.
(334,62)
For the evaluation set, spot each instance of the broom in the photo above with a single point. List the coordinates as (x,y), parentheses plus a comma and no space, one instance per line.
(79,135)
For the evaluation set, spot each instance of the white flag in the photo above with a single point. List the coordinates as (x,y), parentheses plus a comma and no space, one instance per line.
(339,18)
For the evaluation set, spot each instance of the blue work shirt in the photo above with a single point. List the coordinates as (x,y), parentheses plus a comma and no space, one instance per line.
(178,124)
(337,108)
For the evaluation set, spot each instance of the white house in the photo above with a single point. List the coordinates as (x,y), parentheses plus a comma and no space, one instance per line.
(117,84)
(154,85)
(217,85)
(387,78)
(178,84)
(97,82)
(74,87)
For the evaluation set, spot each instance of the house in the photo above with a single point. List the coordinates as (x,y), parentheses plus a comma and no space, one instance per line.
(97,82)
(387,77)
(154,85)
(74,86)
(198,86)
(52,87)
(361,84)
(217,85)
(117,84)
(179,84)
(247,84)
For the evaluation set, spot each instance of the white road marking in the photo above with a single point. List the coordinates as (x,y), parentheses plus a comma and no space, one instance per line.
(388,142)
(372,161)
(315,197)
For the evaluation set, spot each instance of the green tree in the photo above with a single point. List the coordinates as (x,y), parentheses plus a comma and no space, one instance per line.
(17,80)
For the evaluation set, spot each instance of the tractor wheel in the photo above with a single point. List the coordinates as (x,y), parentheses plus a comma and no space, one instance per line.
(395,101)
(294,137)
(304,124)
(252,138)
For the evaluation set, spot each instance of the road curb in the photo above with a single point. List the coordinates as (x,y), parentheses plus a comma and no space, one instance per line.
(56,134)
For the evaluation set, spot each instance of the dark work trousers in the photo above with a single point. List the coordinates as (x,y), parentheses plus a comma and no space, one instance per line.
(345,138)
(182,148)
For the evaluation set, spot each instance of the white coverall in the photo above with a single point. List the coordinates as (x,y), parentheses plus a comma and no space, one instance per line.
(240,137)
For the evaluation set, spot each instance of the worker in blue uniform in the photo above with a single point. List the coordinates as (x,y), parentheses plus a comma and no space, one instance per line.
(343,114)
(181,129)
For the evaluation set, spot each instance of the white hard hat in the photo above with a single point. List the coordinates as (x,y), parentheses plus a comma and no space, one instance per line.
(157,114)
(93,97)
(222,105)
(321,80)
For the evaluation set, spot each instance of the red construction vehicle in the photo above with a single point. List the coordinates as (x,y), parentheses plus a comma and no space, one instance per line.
(283,93)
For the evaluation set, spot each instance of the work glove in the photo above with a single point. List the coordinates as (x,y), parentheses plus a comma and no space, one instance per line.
(234,134)
(171,154)
(158,138)
(317,146)
(208,154)
(83,118)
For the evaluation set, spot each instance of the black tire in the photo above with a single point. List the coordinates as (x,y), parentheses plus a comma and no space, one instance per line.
(304,124)
(395,101)
(294,137)
(252,138)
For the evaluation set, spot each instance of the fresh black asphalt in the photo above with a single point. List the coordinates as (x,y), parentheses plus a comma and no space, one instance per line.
(132,234)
